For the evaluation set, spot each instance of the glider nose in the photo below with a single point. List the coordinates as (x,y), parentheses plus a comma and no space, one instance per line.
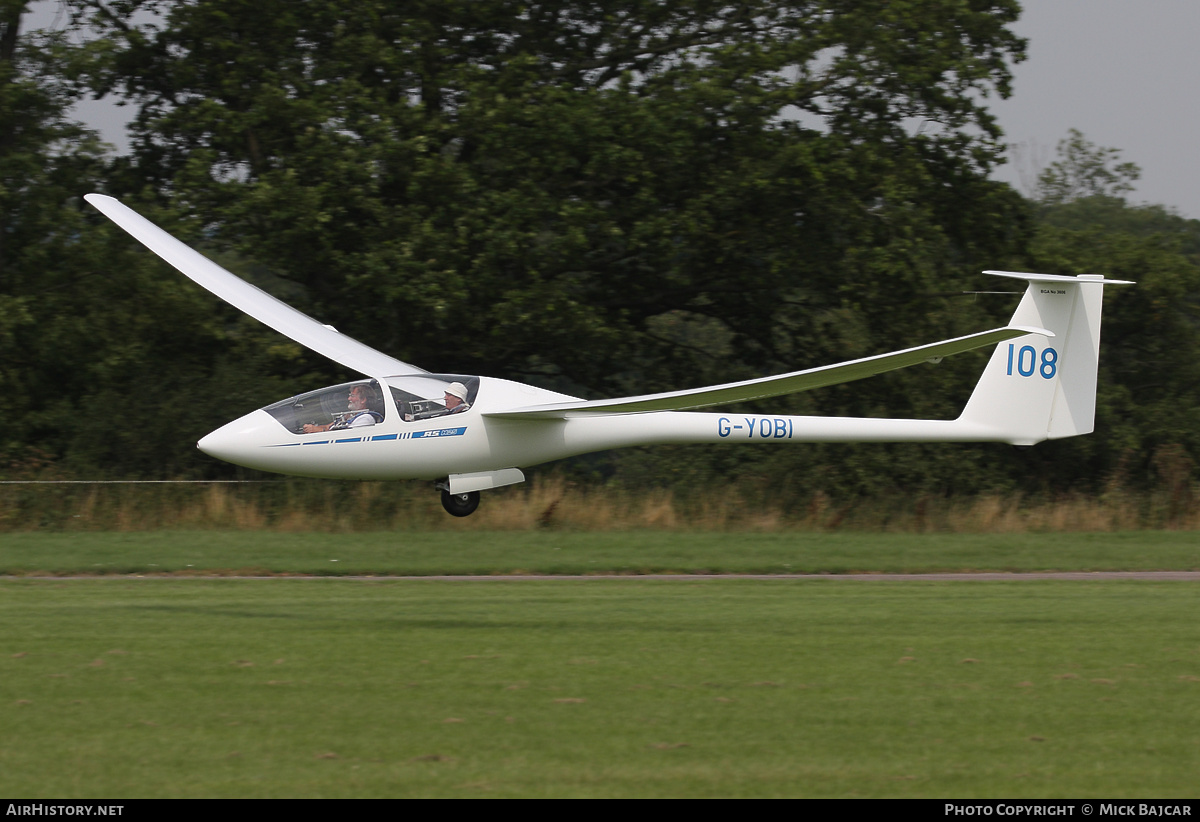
(242,440)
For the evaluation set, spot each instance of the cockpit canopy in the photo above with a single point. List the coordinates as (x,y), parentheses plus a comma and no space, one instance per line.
(414,398)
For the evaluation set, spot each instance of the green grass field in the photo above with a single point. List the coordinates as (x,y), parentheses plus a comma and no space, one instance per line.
(615,687)
(158,687)
(552,552)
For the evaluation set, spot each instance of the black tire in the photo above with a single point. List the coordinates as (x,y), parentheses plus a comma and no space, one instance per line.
(460,505)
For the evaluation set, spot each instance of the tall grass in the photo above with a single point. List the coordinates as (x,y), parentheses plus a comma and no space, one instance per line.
(552,502)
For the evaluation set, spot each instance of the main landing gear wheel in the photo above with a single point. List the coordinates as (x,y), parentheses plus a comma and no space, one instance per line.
(460,505)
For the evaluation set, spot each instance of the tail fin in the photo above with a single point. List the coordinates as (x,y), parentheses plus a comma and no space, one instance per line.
(1034,387)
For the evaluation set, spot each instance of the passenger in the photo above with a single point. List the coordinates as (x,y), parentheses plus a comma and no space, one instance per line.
(363,404)
(456,398)
(454,402)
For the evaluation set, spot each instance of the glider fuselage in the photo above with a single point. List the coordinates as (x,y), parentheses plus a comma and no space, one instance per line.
(475,442)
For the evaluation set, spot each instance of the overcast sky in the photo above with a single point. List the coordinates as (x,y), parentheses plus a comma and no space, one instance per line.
(1123,72)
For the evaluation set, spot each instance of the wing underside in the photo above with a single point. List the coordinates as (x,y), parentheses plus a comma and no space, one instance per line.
(771,386)
(252,300)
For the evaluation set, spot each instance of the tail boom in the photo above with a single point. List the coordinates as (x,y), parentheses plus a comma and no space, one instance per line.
(536,441)
(1035,387)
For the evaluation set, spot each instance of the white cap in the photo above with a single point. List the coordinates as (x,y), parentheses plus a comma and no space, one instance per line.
(457,389)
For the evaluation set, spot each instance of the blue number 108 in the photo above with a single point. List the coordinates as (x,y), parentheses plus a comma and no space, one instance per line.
(1026,361)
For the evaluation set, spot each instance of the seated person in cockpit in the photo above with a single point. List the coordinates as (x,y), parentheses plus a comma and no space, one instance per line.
(362,405)
(456,398)
(455,401)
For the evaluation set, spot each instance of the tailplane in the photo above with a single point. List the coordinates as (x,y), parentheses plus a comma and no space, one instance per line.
(1037,387)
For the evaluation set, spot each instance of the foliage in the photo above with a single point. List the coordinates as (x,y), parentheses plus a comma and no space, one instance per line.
(1149,391)
(1148,414)
(601,198)
(538,182)
(102,357)
(1084,170)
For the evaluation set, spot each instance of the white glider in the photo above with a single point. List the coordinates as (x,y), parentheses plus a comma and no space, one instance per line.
(472,433)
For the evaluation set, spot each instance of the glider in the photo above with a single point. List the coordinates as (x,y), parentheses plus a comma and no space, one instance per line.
(469,433)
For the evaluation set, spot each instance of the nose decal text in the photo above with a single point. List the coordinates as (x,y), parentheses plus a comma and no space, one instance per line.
(408,435)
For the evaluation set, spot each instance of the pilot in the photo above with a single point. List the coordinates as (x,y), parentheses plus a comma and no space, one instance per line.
(362,402)
(456,398)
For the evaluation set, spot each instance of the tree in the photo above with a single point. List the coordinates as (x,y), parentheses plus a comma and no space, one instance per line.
(42,155)
(573,192)
(1084,170)
(1149,392)
(617,196)
(101,354)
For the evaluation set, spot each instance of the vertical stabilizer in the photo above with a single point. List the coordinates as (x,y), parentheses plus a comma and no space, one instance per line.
(1036,387)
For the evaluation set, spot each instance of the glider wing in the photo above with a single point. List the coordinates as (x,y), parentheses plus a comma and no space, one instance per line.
(771,386)
(252,300)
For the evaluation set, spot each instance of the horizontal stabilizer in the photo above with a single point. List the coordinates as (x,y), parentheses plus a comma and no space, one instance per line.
(252,300)
(771,386)
(1059,278)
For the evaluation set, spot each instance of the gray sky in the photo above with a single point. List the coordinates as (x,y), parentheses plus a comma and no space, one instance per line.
(1121,71)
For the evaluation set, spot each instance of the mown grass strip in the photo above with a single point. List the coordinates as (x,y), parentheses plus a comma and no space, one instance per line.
(549,552)
(336,688)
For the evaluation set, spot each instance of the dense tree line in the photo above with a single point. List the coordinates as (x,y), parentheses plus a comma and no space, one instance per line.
(599,197)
